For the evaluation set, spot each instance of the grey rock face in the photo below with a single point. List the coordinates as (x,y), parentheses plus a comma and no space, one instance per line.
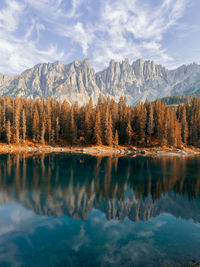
(78,81)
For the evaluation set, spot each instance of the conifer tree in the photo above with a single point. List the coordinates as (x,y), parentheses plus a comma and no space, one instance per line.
(140,123)
(193,128)
(115,114)
(48,127)
(172,129)
(157,118)
(48,120)
(108,136)
(178,140)
(116,138)
(129,133)
(97,128)
(149,122)
(72,127)
(42,135)
(122,109)
(165,127)
(1,128)
(184,126)
(36,125)
(8,132)
(23,126)
(88,120)
(16,123)
(52,136)
(64,115)
(3,115)
(107,122)
(57,129)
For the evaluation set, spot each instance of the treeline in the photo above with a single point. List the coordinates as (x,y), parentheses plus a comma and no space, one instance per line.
(52,122)
(180,99)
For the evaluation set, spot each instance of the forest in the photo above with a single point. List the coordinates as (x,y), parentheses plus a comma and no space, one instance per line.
(178,99)
(48,121)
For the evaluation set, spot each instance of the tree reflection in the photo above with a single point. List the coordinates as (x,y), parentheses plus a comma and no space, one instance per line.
(75,184)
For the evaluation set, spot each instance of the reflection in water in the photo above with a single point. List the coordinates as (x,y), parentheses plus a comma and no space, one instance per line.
(73,185)
(151,192)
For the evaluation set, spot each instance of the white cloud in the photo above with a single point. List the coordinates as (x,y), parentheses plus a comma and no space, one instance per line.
(132,29)
(9,16)
(54,12)
(121,29)
(116,29)
(79,34)
(17,55)
(75,8)
(20,53)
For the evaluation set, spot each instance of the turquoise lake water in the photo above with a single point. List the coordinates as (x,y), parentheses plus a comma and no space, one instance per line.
(78,210)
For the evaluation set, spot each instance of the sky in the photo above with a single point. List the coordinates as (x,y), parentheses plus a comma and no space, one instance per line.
(38,31)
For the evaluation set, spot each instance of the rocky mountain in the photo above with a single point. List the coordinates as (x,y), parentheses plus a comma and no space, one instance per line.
(78,81)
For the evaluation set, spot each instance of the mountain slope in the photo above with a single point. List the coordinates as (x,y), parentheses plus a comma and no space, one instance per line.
(78,81)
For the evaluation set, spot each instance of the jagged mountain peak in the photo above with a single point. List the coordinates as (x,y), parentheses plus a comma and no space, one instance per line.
(78,81)
(59,66)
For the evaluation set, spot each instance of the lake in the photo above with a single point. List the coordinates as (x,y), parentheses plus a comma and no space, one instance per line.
(79,210)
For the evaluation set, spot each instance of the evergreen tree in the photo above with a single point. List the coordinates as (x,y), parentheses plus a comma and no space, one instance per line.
(42,135)
(184,126)
(107,122)
(149,122)
(72,127)
(140,117)
(129,133)
(171,129)
(108,136)
(88,121)
(52,137)
(36,125)
(16,122)
(178,140)
(57,129)
(23,126)
(97,128)
(64,116)
(158,118)
(8,132)
(48,122)
(116,138)
(122,109)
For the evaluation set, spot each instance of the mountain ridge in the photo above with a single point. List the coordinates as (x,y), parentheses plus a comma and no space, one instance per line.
(78,81)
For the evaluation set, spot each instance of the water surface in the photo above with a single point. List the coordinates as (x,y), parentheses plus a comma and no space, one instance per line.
(78,210)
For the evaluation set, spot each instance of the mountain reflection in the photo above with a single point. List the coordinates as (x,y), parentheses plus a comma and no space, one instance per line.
(137,188)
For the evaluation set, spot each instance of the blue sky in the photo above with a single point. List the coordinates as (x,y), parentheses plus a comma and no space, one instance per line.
(36,31)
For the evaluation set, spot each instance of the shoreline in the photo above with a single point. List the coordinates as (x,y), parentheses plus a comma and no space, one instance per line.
(129,151)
